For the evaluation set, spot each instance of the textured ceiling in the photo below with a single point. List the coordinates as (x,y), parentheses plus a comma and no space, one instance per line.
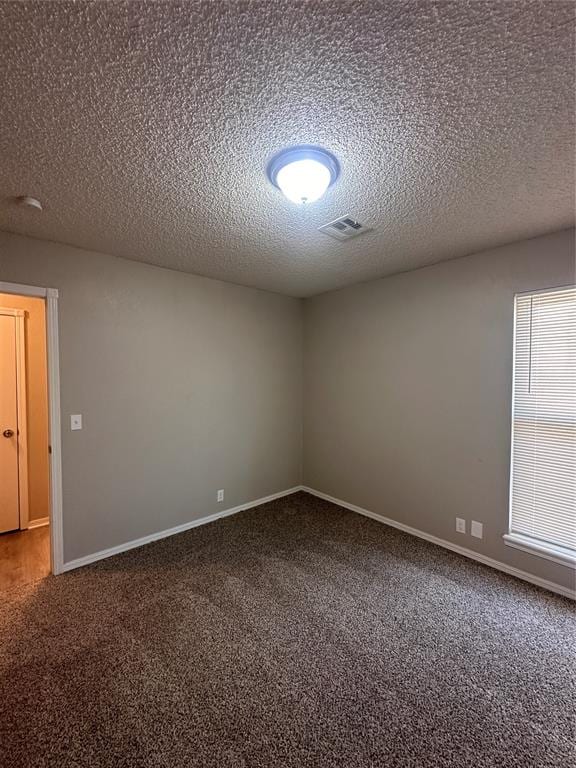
(145,129)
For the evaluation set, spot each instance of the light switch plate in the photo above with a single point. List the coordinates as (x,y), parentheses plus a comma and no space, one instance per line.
(476,529)
(76,421)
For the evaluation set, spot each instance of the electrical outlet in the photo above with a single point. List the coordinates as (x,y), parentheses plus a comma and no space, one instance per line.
(460,525)
(476,529)
(220,496)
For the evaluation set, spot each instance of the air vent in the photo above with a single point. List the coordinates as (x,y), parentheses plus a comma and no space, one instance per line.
(344,228)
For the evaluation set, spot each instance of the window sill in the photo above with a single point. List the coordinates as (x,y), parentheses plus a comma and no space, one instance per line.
(541,549)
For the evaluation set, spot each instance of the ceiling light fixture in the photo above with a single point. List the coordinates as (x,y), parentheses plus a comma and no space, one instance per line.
(304,173)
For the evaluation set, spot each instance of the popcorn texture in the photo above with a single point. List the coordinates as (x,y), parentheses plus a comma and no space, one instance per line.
(145,129)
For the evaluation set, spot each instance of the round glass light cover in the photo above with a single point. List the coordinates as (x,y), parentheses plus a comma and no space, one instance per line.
(304,181)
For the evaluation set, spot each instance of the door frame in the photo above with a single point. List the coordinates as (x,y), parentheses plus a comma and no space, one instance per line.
(19,316)
(50,295)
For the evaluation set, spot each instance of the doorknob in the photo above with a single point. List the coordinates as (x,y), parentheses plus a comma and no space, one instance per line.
(8,433)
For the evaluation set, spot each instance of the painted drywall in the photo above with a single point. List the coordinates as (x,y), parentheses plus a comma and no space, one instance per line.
(186,385)
(37,402)
(407,393)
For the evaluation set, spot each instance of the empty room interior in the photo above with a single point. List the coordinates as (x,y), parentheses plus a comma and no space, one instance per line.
(287,384)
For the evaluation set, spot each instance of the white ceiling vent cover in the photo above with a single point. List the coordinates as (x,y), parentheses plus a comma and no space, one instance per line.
(344,228)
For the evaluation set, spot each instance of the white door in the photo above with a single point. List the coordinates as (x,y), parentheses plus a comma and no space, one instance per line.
(9,501)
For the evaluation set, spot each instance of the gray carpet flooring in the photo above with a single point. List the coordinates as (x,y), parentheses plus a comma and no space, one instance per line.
(296,634)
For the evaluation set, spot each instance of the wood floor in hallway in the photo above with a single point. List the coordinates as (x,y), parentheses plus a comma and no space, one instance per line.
(24,557)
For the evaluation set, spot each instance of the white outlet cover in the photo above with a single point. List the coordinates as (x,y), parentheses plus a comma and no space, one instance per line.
(76,421)
(220,496)
(460,525)
(477,529)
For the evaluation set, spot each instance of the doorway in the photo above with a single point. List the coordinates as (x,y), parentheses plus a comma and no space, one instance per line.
(30,475)
(24,459)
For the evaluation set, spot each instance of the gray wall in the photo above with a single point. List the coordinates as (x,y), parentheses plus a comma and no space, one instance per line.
(186,385)
(407,392)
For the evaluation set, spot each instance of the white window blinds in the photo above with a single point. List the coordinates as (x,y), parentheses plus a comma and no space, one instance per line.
(543,482)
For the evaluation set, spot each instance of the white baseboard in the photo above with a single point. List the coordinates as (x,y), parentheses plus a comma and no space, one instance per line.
(524,575)
(104,553)
(38,523)
(499,566)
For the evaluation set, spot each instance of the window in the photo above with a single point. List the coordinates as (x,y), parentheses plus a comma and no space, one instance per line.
(543,472)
